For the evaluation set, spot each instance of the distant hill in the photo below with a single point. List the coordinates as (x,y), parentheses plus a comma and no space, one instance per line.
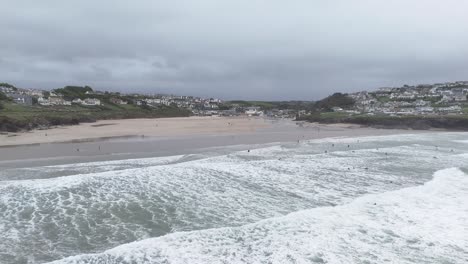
(268,105)
(8,86)
(72,92)
(335,100)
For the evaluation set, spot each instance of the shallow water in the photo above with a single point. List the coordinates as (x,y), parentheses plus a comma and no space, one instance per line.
(342,200)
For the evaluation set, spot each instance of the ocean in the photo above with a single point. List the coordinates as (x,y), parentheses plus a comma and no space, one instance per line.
(375,199)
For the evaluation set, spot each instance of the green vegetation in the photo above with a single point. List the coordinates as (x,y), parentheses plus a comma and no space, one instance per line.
(8,86)
(334,115)
(459,122)
(433,100)
(3,100)
(325,105)
(335,100)
(72,92)
(15,117)
(383,99)
(3,97)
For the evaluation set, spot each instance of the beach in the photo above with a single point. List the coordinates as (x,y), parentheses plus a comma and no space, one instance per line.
(138,138)
(161,127)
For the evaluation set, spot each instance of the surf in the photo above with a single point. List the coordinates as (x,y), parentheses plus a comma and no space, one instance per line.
(422,224)
(91,208)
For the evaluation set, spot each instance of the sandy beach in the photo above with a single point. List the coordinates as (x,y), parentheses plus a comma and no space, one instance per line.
(138,138)
(162,127)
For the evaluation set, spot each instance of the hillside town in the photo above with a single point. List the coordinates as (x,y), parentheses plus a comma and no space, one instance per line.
(448,98)
(53,98)
(197,105)
(425,99)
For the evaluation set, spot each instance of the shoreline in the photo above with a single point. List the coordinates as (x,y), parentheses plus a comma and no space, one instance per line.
(102,130)
(178,138)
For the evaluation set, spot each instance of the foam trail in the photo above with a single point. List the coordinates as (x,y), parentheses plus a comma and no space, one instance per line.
(54,171)
(423,224)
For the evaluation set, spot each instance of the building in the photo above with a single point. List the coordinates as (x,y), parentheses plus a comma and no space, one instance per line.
(118,101)
(77,101)
(52,101)
(21,99)
(58,101)
(43,101)
(91,101)
(7,90)
(31,92)
(253,111)
(337,109)
(87,101)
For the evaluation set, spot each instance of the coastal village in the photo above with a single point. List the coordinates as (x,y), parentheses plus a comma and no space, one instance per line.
(448,98)
(425,99)
(197,105)
(53,98)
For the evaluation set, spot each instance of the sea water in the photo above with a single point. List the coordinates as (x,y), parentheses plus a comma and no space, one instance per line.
(385,199)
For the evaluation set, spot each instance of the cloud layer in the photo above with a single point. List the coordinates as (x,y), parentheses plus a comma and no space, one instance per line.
(256,49)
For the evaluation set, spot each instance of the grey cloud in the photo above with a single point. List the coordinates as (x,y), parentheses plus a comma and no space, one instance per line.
(255,49)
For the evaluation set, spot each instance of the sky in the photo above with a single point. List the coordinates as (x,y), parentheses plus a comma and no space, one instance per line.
(237,49)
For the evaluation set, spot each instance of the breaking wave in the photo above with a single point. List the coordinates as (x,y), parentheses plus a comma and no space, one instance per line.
(423,224)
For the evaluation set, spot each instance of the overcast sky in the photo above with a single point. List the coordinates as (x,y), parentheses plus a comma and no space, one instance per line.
(237,49)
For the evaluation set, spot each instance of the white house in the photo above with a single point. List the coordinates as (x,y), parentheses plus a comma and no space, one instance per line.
(337,109)
(251,111)
(87,101)
(43,101)
(77,101)
(58,101)
(450,109)
(91,101)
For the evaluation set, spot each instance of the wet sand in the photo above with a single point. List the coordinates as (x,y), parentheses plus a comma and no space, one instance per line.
(112,142)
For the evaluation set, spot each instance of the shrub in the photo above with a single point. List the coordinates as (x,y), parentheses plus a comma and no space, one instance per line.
(3,96)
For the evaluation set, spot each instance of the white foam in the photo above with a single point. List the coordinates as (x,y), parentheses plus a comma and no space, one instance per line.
(424,224)
(152,197)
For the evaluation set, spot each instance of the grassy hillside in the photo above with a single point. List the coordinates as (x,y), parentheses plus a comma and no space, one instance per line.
(335,100)
(72,92)
(14,117)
